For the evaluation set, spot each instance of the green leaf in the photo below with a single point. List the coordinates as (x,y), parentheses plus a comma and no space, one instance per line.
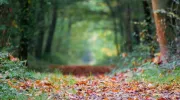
(2,27)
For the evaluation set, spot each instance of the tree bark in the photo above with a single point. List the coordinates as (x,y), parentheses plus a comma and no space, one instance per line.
(40,37)
(128,42)
(5,21)
(120,27)
(24,24)
(51,29)
(161,28)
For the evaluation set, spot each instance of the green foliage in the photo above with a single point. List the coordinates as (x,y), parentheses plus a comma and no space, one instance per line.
(134,59)
(81,26)
(14,71)
(7,93)
(10,70)
(2,27)
(155,74)
(4,2)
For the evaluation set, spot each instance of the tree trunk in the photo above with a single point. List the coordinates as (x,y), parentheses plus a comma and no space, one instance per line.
(120,27)
(68,35)
(24,24)
(122,40)
(62,26)
(40,37)
(4,21)
(116,36)
(128,42)
(51,29)
(113,15)
(161,28)
(23,48)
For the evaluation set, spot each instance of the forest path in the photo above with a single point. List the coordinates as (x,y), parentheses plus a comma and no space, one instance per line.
(119,86)
(83,70)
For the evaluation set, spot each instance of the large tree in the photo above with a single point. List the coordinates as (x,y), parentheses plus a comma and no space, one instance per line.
(115,25)
(52,28)
(4,12)
(41,23)
(158,6)
(128,38)
(25,23)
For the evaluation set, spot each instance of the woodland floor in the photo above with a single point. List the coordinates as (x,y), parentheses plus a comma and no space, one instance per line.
(119,86)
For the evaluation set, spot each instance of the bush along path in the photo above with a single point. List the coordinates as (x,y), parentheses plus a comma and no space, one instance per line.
(132,84)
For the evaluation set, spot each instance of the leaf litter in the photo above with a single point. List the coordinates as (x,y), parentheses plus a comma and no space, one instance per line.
(99,87)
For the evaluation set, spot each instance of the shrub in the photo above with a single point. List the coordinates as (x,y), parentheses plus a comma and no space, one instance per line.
(10,70)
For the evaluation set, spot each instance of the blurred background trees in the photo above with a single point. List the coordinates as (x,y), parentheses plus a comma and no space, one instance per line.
(88,31)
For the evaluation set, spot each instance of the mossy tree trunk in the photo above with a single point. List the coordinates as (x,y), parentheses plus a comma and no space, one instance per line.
(161,28)
(52,28)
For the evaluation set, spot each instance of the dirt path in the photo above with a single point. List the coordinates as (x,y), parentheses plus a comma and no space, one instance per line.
(117,88)
(82,70)
(100,87)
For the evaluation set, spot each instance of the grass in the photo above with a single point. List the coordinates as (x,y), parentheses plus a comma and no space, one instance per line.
(159,75)
(10,70)
(151,74)
(54,77)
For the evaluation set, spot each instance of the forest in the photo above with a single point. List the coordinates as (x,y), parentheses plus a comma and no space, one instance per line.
(89,49)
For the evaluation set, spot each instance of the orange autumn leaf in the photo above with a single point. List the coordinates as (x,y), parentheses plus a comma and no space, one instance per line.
(38,82)
(115,90)
(106,98)
(113,78)
(124,55)
(47,83)
(157,59)
(134,69)
(12,58)
(82,83)
(130,98)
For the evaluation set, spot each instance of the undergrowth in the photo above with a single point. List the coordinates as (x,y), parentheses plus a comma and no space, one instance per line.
(162,73)
(13,70)
(156,74)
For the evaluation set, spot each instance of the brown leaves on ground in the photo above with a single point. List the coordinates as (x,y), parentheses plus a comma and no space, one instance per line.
(100,87)
(82,70)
